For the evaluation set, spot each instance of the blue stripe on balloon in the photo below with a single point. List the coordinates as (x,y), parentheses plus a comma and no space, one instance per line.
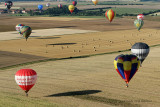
(133,70)
(121,70)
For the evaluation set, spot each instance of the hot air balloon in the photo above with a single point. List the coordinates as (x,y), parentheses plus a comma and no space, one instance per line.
(26,31)
(18,27)
(110,14)
(60,5)
(74,3)
(40,6)
(95,2)
(71,8)
(138,24)
(126,66)
(26,78)
(141,50)
(140,17)
(48,4)
(8,4)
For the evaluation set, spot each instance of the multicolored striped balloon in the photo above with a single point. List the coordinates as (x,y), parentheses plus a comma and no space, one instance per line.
(138,24)
(60,5)
(18,27)
(26,31)
(126,66)
(110,14)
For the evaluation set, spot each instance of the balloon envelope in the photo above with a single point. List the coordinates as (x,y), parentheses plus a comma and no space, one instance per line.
(71,8)
(48,4)
(26,31)
(19,26)
(60,5)
(140,17)
(126,66)
(40,7)
(141,50)
(110,14)
(74,3)
(95,2)
(138,24)
(8,4)
(26,78)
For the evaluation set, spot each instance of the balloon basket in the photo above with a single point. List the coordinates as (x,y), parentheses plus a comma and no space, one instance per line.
(26,93)
(126,85)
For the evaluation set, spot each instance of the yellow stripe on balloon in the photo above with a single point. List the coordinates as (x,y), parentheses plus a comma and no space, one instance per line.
(115,64)
(134,61)
(120,61)
(127,65)
(109,15)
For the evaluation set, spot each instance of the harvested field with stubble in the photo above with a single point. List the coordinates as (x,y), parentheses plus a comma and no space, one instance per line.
(97,24)
(63,46)
(73,58)
(85,82)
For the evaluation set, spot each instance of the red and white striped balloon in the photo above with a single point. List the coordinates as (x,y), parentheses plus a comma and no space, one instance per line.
(26,78)
(140,17)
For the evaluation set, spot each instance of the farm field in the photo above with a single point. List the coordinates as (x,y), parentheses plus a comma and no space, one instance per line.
(85,82)
(73,57)
(63,46)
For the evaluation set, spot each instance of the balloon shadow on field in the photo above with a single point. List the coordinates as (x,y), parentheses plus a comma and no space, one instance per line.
(62,44)
(66,26)
(48,37)
(75,93)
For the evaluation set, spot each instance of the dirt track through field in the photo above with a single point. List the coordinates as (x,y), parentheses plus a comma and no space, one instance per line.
(42,33)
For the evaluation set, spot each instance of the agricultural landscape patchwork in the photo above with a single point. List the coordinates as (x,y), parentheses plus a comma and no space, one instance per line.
(73,56)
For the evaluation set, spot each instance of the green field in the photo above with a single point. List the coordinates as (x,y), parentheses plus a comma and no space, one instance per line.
(121,11)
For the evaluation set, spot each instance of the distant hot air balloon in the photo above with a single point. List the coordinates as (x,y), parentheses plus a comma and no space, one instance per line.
(18,27)
(26,78)
(110,14)
(26,31)
(74,3)
(60,5)
(95,2)
(48,4)
(138,24)
(71,8)
(141,50)
(8,4)
(140,17)
(40,6)
(126,66)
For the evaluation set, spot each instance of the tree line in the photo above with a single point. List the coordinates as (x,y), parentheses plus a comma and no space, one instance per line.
(56,11)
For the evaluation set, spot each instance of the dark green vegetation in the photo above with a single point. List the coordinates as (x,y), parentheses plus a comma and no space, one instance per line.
(55,11)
